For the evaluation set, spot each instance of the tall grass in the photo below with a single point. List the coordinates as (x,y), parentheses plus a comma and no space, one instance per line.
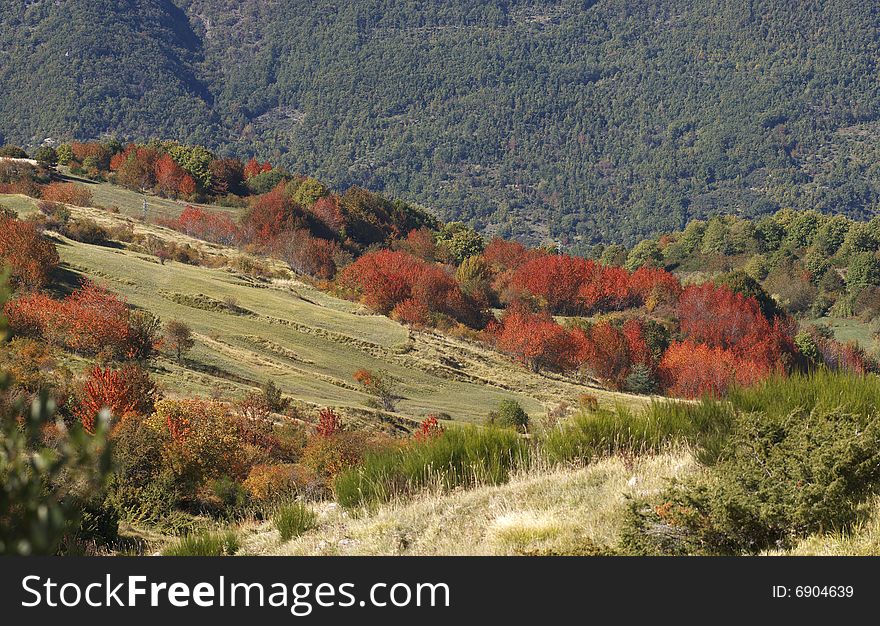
(609,431)
(205,544)
(802,393)
(292,520)
(462,457)
(470,456)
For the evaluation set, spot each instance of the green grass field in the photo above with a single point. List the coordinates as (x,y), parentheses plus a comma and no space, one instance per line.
(848,330)
(130,202)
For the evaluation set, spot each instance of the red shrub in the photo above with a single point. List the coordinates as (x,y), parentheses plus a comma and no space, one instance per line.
(270,215)
(67,193)
(412,312)
(692,370)
(29,256)
(207,225)
(386,279)
(537,341)
(420,244)
(91,321)
(328,423)
(571,285)
(652,286)
(329,211)
(94,150)
(105,389)
(501,254)
(604,351)
(430,428)
(306,254)
(719,317)
(255,168)
(135,167)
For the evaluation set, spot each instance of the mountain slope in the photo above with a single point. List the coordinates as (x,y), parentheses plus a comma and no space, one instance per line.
(576,120)
(81,69)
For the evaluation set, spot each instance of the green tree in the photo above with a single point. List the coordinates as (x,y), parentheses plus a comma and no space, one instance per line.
(715,239)
(510,414)
(46,156)
(460,241)
(646,253)
(862,271)
(308,192)
(65,154)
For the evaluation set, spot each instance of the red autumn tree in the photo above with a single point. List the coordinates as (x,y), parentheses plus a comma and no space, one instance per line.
(97,154)
(30,257)
(653,287)
(553,282)
(227,176)
(385,279)
(720,318)
(255,168)
(89,321)
(308,255)
(135,167)
(105,389)
(169,175)
(270,215)
(419,243)
(604,288)
(567,285)
(207,225)
(187,186)
(537,341)
(692,370)
(328,211)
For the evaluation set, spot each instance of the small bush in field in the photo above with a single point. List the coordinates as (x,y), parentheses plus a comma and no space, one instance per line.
(205,544)
(510,414)
(86,231)
(67,193)
(267,483)
(293,520)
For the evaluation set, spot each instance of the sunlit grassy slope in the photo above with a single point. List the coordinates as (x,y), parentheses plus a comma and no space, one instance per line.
(308,342)
(561,511)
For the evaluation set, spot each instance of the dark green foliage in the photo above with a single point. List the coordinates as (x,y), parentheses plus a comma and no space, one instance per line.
(13,152)
(461,457)
(46,493)
(801,457)
(513,114)
(509,414)
(292,520)
(641,380)
(267,181)
(46,156)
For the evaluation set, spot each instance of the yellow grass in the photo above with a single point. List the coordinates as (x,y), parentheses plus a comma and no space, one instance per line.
(559,511)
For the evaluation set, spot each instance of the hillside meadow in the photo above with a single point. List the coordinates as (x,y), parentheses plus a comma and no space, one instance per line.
(305,340)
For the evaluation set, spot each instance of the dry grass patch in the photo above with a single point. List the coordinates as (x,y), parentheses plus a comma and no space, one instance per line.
(560,511)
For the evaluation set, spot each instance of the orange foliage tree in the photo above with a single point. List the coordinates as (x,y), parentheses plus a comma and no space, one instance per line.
(386,279)
(29,256)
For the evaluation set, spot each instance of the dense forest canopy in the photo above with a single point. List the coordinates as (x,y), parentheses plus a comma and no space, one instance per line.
(585,121)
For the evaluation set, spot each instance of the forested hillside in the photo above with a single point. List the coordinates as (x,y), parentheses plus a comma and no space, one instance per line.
(592,120)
